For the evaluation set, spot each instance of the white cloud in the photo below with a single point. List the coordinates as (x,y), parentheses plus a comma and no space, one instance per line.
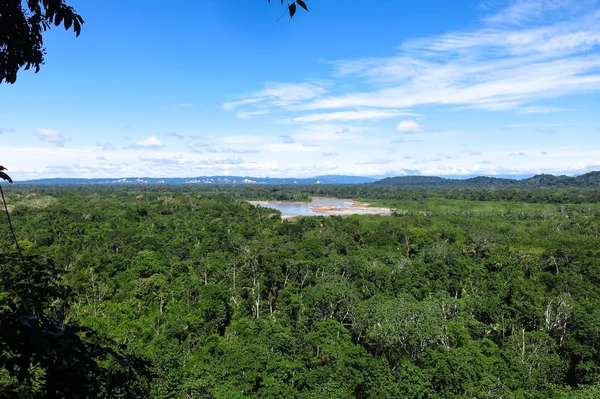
(174,134)
(6,130)
(287,139)
(196,146)
(241,150)
(249,114)
(546,131)
(106,146)
(240,139)
(221,161)
(286,93)
(279,95)
(234,104)
(375,162)
(346,116)
(520,11)
(293,147)
(503,65)
(51,136)
(539,110)
(408,127)
(161,161)
(149,142)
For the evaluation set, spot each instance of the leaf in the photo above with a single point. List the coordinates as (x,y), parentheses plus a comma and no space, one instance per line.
(302,4)
(68,21)
(5,177)
(77,27)
(58,18)
(292,10)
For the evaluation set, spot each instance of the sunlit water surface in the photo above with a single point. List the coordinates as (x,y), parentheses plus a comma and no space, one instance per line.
(291,209)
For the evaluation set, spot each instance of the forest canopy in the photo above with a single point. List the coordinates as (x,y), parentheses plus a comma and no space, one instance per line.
(451,297)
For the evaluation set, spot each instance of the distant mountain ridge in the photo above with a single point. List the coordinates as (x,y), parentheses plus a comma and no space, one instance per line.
(591,179)
(226,180)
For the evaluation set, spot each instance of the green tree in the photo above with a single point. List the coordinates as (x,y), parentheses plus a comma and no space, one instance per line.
(42,356)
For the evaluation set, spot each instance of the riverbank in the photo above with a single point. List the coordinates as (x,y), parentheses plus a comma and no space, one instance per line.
(355,208)
(341,207)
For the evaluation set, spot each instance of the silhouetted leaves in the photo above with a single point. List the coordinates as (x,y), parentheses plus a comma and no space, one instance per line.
(291,6)
(302,4)
(22,25)
(5,177)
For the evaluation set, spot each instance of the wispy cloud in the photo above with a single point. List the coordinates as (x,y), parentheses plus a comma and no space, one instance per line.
(287,139)
(197,146)
(521,11)
(279,95)
(504,64)
(174,134)
(51,136)
(346,116)
(106,146)
(241,150)
(240,139)
(6,130)
(293,147)
(331,133)
(148,142)
(161,161)
(234,104)
(249,114)
(539,110)
(221,161)
(428,160)
(546,131)
(375,162)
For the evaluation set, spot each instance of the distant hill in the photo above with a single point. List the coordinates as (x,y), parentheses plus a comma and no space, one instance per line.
(228,180)
(591,179)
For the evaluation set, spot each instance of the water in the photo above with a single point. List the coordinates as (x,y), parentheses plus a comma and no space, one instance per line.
(291,209)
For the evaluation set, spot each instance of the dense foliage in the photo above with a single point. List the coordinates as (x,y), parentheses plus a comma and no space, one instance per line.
(356,191)
(454,296)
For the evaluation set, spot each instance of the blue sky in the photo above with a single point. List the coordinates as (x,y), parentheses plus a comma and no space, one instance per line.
(189,88)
